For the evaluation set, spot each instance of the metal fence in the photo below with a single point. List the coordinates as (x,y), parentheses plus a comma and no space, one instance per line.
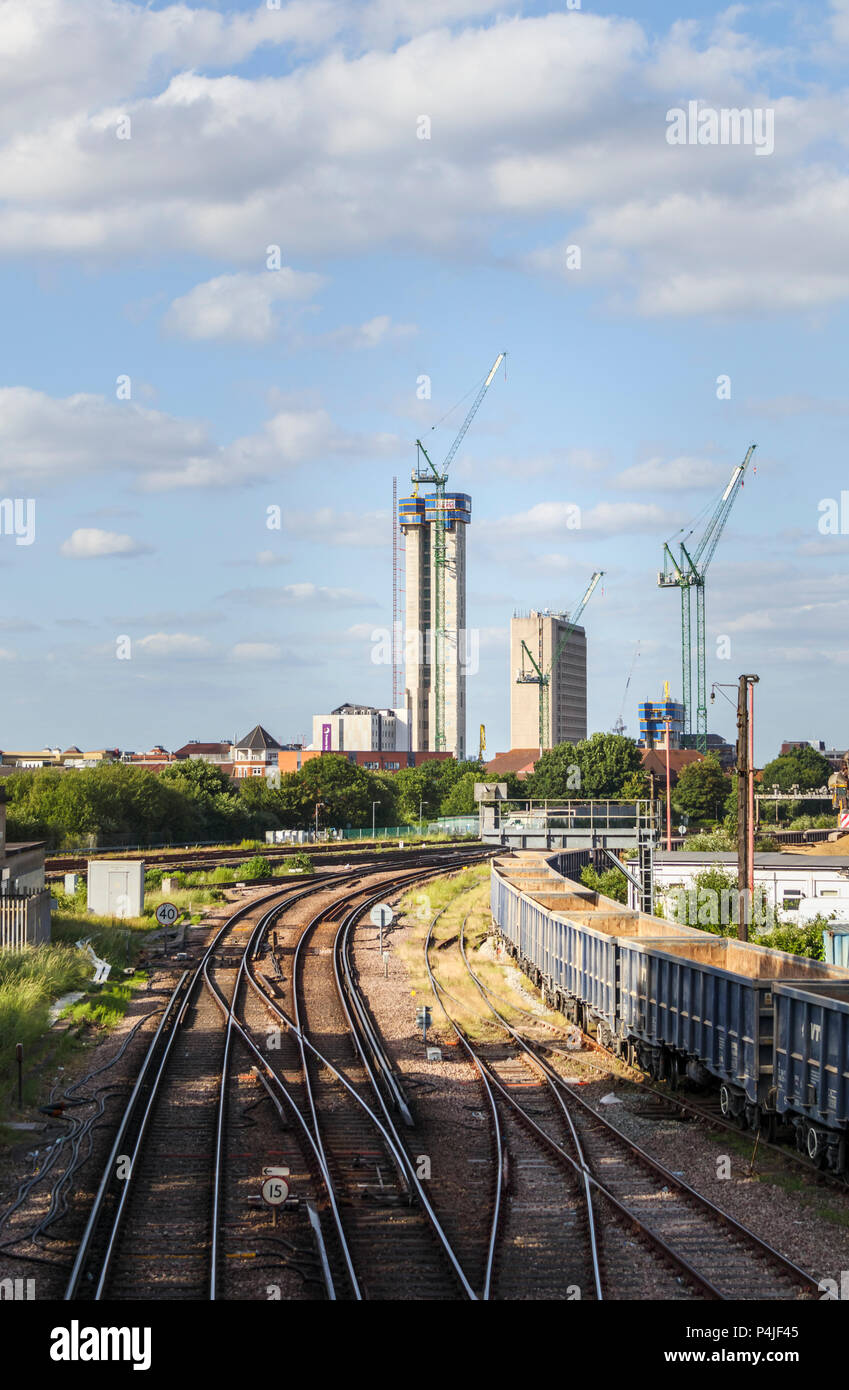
(25,918)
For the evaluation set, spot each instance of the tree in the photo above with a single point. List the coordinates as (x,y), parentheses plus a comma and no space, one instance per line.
(606,761)
(637,786)
(702,789)
(597,767)
(345,790)
(557,773)
(804,768)
(428,785)
(460,800)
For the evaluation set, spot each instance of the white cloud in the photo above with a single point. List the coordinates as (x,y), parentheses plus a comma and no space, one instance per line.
(624,518)
(674,475)
(372,334)
(268,558)
(365,529)
(559,114)
(562,461)
(88,543)
(559,519)
(256,651)
(173,644)
(305,595)
(238,308)
(44,439)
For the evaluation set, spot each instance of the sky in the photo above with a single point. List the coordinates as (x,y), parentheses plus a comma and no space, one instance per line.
(249,253)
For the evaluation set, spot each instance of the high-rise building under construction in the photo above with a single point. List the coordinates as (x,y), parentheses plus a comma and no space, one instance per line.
(566,706)
(435,665)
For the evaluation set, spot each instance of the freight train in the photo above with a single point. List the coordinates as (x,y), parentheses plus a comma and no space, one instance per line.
(770,1030)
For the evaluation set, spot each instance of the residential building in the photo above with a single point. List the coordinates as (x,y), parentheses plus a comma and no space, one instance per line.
(361,729)
(293,759)
(218,753)
(256,754)
(542,632)
(518,760)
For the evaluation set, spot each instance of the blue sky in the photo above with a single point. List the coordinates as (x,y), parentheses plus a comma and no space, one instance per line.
(249,127)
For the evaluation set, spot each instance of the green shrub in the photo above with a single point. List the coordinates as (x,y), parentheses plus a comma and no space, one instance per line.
(258,867)
(799,939)
(612,883)
(302,862)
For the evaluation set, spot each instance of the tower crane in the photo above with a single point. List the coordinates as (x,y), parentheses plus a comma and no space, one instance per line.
(620,726)
(688,574)
(542,678)
(439,477)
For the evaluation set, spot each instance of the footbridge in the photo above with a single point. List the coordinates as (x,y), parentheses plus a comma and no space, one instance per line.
(603,825)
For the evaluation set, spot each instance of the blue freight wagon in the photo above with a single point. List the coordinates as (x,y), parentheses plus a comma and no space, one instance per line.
(812,1067)
(705,1008)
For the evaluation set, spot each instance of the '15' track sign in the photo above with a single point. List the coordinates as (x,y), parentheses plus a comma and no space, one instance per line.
(275,1191)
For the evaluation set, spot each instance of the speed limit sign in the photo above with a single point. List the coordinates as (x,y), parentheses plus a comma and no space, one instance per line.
(166,914)
(275,1191)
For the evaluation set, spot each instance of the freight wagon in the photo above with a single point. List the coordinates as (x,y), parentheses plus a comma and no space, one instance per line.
(769,1028)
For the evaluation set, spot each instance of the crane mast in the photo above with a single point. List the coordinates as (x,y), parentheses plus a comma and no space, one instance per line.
(687,573)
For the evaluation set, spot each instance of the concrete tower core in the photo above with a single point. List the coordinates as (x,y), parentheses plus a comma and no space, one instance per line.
(418,519)
(542,632)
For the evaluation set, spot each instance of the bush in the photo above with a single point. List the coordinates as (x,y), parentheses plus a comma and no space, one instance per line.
(710,840)
(799,940)
(302,862)
(612,883)
(222,875)
(255,868)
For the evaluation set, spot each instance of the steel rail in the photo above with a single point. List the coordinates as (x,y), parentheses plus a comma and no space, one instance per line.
(495,1223)
(109,1168)
(348,988)
(84,1249)
(748,1236)
(625,1213)
(305,1044)
(181,1006)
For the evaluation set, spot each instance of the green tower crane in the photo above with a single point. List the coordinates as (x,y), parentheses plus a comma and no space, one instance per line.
(439,477)
(542,678)
(688,574)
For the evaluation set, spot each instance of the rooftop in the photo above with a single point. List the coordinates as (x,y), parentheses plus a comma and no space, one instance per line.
(257,739)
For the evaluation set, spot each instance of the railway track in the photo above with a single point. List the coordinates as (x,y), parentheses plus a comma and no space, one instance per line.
(717,1257)
(175,1192)
(190,860)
